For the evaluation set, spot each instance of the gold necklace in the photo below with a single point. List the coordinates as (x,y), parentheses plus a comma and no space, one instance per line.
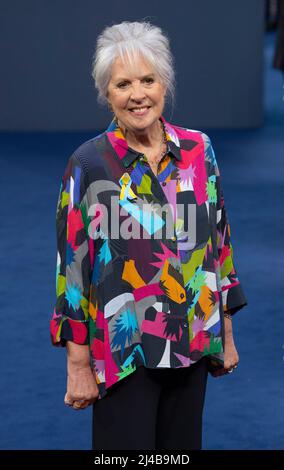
(157,159)
(164,142)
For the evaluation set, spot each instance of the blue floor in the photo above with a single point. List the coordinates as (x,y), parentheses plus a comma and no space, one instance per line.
(243,410)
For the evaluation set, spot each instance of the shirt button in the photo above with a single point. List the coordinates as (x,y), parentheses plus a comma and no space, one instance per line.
(164,183)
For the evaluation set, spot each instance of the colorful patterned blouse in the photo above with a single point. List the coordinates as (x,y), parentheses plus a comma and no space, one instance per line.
(143,286)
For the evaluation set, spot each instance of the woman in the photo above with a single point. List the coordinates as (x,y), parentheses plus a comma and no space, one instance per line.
(145,269)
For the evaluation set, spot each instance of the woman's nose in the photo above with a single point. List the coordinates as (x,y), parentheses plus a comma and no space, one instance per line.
(137,92)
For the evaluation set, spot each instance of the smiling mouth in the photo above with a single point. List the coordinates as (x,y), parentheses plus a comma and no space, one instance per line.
(139,111)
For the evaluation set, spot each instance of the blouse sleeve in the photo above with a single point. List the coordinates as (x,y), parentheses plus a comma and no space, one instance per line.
(233,297)
(73,268)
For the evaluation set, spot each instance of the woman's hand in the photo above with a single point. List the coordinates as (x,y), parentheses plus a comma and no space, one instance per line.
(82,389)
(231,357)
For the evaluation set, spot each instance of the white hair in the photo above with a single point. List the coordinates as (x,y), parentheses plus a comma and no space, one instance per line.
(128,40)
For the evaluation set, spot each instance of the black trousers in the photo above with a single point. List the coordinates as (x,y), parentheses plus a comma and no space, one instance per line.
(152,409)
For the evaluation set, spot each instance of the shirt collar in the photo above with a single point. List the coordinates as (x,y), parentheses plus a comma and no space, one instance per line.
(127,155)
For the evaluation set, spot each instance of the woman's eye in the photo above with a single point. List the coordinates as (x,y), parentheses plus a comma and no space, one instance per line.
(149,80)
(122,84)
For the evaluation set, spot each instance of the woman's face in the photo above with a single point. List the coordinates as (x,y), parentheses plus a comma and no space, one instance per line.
(136,95)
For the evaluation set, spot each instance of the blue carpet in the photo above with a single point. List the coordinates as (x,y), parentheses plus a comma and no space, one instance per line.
(243,410)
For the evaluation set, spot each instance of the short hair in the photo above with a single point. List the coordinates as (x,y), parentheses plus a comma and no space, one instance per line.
(127,40)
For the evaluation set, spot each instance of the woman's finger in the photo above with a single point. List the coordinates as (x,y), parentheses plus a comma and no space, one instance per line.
(80,404)
(67,400)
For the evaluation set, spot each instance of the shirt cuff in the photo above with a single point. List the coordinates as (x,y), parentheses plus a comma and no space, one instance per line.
(233,298)
(63,328)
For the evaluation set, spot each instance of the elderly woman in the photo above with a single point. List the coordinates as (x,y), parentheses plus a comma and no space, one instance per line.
(146,284)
